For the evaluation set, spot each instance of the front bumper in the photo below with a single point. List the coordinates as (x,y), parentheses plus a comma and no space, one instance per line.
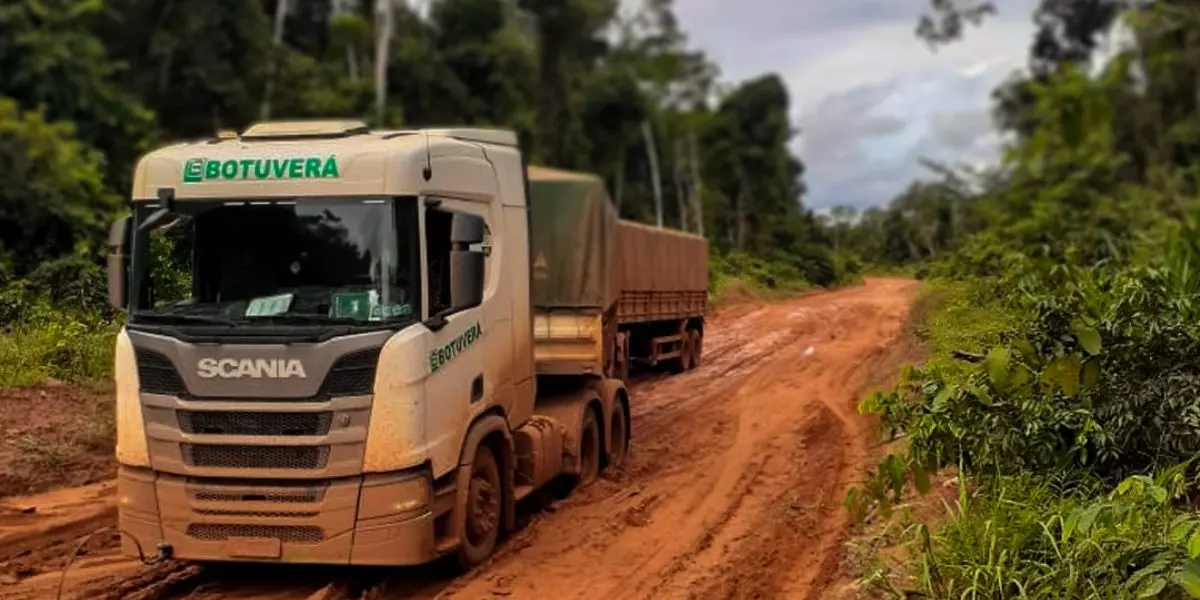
(369,520)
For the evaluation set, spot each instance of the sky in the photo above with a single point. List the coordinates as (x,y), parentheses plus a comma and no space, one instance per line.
(868,97)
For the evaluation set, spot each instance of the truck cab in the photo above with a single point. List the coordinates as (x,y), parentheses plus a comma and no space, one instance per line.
(329,355)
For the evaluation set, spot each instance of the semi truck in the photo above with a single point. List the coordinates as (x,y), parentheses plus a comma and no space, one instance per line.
(364,347)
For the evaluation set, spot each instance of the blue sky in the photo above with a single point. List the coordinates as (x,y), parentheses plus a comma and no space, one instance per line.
(868,97)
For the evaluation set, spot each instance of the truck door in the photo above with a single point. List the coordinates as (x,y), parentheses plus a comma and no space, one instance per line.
(456,384)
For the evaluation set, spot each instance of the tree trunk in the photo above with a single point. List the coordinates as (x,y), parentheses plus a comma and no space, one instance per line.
(619,185)
(277,41)
(652,155)
(681,186)
(352,62)
(697,184)
(383,40)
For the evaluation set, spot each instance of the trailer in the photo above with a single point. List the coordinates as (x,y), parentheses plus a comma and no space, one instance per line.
(386,339)
(607,291)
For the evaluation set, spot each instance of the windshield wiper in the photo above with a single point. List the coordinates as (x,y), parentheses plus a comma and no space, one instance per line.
(182,318)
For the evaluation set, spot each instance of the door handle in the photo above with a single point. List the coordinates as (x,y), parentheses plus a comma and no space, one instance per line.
(477,389)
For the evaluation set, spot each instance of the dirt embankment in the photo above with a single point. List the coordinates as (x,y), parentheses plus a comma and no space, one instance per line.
(733,487)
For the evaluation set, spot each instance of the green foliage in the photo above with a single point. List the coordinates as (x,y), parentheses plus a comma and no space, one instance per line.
(52,198)
(1033,539)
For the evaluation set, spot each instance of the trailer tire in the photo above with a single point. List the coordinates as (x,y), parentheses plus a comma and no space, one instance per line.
(684,362)
(484,511)
(697,343)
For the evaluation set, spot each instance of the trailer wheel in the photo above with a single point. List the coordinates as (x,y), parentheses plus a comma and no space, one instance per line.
(618,436)
(697,340)
(684,362)
(621,357)
(482,513)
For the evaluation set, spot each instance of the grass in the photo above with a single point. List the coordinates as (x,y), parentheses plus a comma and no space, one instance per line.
(67,350)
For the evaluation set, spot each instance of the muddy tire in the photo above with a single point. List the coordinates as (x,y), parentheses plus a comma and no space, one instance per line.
(621,358)
(483,512)
(684,362)
(589,449)
(618,437)
(697,344)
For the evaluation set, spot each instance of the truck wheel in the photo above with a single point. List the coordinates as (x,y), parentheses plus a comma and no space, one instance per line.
(684,362)
(618,438)
(483,510)
(621,358)
(697,346)
(589,448)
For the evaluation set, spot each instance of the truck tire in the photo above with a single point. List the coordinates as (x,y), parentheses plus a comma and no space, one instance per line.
(589,448)
(618,437)
(484,510)
(697,343)
(621,357)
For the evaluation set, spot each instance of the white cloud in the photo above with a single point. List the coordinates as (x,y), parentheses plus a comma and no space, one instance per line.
(870,98)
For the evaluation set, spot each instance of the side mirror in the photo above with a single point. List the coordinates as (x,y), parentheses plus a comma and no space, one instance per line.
(118,261)
(466,265)
(466,228)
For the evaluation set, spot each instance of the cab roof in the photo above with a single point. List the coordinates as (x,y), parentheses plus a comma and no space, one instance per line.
(312,158)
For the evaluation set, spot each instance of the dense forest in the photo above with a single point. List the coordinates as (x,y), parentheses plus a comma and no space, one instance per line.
(1058,407)
(91,85)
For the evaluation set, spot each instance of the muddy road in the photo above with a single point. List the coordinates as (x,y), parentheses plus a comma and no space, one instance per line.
(733,486)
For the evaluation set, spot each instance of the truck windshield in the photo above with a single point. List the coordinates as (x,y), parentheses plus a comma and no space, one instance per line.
(285,261)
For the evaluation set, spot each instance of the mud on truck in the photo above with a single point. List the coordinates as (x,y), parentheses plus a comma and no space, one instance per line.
(348,346)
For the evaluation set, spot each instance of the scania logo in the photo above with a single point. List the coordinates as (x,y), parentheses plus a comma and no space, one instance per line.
(257,368)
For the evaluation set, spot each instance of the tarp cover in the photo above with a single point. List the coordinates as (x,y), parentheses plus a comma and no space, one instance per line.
(571,230)
(584,256)
(649,259)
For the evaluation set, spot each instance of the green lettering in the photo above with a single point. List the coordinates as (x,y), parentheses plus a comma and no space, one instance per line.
(246,164)
(229,169)
(193,170)
(212,169)
(312,168)
(278,167)
(262,169)
(331,168)
(294,168)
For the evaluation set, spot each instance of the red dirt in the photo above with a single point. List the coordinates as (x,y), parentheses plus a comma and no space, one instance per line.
(733,487)
(54,435)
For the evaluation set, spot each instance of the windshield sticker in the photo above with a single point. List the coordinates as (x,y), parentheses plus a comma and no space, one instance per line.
(440,356)
(269,306)
(354,305)
(390,311)
(198,170)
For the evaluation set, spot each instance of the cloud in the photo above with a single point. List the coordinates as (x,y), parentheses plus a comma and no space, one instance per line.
(869,98)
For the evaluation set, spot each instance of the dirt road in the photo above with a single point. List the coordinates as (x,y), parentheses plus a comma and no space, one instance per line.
(733,487)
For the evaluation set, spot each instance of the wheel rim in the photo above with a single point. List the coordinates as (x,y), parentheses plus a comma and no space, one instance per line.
(483,505)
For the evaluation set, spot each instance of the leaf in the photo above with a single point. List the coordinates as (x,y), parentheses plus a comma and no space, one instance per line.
(1027,351)
(1089,339)
(1188,578)
(1063,372)
(1088,518)
(1090,374)
(1152,588)
(997,366)
(920,477)
(1193,546)
(943,396)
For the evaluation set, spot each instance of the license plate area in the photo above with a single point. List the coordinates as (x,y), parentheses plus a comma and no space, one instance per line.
(253,547)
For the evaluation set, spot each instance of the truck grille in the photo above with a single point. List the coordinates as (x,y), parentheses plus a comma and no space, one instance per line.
(254,423)
(157,375)
(209,532)
(300,496)
(353,374)
(255,457)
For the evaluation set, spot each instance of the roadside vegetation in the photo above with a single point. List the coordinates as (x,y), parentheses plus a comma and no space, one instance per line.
(1062,312)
